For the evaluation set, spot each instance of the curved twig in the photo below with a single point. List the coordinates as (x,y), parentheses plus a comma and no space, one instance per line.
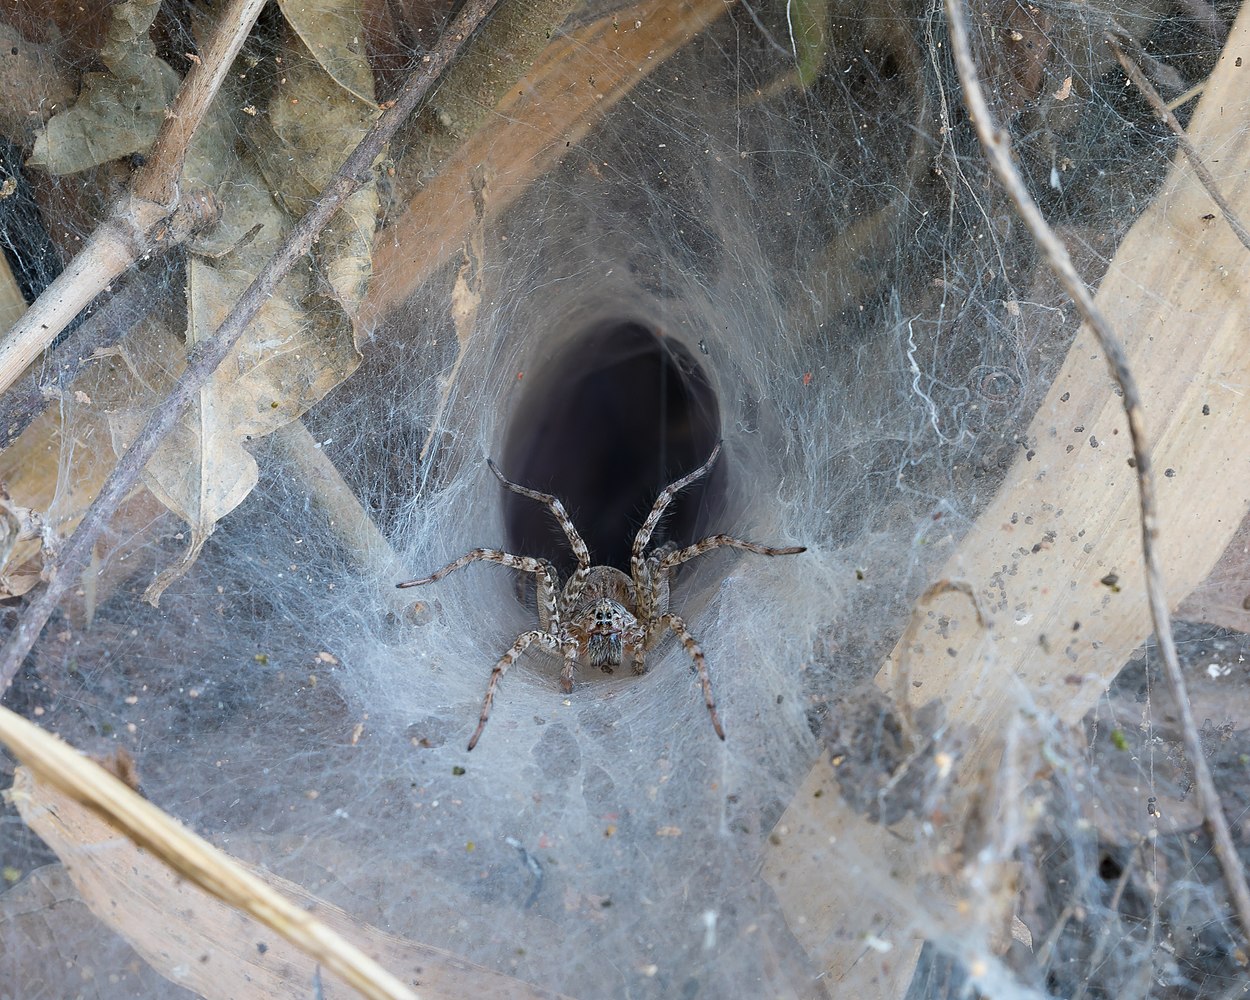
(997,150)
(1134,73)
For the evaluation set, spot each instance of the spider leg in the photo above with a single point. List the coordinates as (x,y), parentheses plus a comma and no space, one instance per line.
(523,641)
(718,541)
(700,665)
(543,572)
(580,551)
(661,505)
(639,645)
(569,650)
(650,598)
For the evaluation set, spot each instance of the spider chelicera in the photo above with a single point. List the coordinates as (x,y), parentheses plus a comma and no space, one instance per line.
(602,616)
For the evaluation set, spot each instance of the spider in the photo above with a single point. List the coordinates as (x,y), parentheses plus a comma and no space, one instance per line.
(602,616)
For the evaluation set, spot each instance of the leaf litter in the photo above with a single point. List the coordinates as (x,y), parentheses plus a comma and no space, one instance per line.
(316,100)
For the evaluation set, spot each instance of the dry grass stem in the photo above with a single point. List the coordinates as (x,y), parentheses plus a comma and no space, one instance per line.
(194,858)
(208,354)
(997,150)
(1134,73)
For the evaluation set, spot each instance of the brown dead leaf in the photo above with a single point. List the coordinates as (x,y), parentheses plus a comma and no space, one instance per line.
(314,126)
(119,112)
(466,297)
(301,344)
(1020,932)
(1065,89)
(335,36)
(21,533)
(290,357)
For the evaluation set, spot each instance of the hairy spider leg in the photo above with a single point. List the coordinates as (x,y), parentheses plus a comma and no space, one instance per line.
(691,646)
(662,501)
(727,541)
(640,642)
(643,570)
(522,643)
(544,573)
(578,580)
(656,569)
(569,650)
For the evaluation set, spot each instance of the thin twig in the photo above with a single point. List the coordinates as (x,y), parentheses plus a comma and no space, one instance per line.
(1134,73)
(209,353)
(147,218)
(82,779)
(997,150)
(902,668)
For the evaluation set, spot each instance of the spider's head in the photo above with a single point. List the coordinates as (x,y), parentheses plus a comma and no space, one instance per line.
(603,636)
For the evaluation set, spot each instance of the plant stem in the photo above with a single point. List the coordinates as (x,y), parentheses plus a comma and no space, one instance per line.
(137,224)
(997,150)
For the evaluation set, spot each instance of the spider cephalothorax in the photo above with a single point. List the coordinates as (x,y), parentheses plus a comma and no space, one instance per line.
(601,617)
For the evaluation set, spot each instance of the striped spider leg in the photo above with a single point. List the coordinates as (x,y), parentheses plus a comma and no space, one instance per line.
(651,585)
(602,616)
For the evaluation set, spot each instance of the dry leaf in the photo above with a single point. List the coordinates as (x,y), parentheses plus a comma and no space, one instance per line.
(1065,89)
(301,344)
(197,941)
(334,34)
(119,112)
(51,938)
(1020,932)
(21,532)
(315,125)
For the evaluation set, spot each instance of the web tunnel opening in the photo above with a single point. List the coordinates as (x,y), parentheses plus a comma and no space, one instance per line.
(615,416)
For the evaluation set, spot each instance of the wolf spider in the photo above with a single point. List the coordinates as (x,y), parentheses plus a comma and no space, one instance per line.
(603,616)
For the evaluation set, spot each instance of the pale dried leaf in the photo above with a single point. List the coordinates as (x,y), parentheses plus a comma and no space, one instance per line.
(53,942)
(1020,932)
(333,32)
(127,50)
(32,471)
(119,112)
(196,941)
(465,299)
(313,127)
(297,348)
(291,356)
(21,564)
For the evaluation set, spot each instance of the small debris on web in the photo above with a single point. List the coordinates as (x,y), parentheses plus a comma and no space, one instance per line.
(884,772)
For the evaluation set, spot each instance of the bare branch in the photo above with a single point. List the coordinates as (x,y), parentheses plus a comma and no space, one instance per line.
(145,220)
(208,353)
(28,398)
(157,180)
(997,150)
